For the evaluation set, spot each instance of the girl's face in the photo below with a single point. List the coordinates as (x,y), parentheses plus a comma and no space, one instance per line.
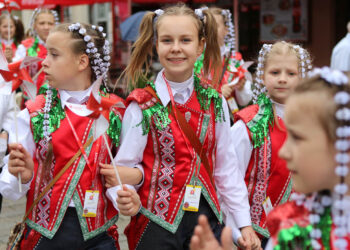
(281,76)
(307,150)
(4,28)
(178,46)
(44,22)
(61,65)
(222,29)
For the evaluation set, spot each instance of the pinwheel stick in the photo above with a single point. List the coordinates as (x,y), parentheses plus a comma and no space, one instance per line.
(16,132)
(9,28)
(112,160)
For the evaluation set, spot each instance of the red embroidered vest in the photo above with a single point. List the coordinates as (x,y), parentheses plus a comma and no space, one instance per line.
(169,163)
(47,215)
(267,174)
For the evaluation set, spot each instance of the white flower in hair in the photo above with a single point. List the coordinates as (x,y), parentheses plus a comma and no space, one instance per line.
(87,38)
(100,28)
(159,12)
(332,76)
(82,31)
(199,13)
(342,97)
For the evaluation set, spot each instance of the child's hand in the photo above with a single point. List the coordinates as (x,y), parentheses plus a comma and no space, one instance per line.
(20,161)
(204,239)
(108,172)
(8,54)
(227,90)
(131,176)
(249,239)
(128,201)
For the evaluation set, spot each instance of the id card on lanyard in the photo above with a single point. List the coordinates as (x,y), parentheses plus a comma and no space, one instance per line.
(192,192)
(91,196)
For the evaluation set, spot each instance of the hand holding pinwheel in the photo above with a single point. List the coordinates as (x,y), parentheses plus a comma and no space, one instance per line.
(100,107)
(15,75)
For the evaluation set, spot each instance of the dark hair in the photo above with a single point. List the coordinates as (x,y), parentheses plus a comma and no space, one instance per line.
(19,28)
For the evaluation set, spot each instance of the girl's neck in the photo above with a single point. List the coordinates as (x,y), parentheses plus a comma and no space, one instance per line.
(178,78)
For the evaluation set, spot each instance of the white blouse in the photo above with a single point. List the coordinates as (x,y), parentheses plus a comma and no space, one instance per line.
(8,182)
(231,189)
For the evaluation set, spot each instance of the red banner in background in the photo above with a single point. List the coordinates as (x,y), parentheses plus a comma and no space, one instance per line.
(32,4)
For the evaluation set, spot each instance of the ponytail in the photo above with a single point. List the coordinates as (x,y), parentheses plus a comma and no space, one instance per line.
(212,57)
(142,50)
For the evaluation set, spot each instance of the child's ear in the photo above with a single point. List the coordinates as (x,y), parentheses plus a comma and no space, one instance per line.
(83,61)
(200,46)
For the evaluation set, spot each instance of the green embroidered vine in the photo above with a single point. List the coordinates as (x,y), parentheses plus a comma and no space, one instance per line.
(115,127)
(325,226)
(206,95)
(198,65)
(259,126)
(294,237)
(159,113)
(33,50)
(299,237)
(56,115)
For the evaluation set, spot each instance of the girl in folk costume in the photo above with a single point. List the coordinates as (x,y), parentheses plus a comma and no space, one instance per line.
(317,154)
(43,20)
(317,116)
(56,142)
(232,82)
(177,129)
(259,132)
(10,40)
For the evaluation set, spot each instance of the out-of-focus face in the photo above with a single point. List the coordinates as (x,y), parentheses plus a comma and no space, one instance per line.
(44,22)
(178,46)
(222,29)
(4,28)
(308,150)
(281,76)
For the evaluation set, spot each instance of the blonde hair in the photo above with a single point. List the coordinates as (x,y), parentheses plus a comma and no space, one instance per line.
(326,114)
(279,48)
(142,49)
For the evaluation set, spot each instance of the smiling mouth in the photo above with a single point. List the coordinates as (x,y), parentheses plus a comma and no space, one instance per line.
(176,60)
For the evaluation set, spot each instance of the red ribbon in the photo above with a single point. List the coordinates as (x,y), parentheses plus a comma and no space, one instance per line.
(16,75)
(102,108)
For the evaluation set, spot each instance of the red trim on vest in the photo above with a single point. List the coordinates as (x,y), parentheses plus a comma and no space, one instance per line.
(39,103)
(140,96)
(63,151)
(174,143)
(247,114)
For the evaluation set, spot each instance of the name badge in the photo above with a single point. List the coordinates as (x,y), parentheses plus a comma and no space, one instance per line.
(90,203)
(192,198)
(267,205)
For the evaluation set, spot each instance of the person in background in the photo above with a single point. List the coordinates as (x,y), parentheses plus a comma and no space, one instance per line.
(10,40)
(340,59)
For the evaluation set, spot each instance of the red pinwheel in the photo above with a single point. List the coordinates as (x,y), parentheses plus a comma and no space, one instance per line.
(100,107)
(16,75)
(9,5)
